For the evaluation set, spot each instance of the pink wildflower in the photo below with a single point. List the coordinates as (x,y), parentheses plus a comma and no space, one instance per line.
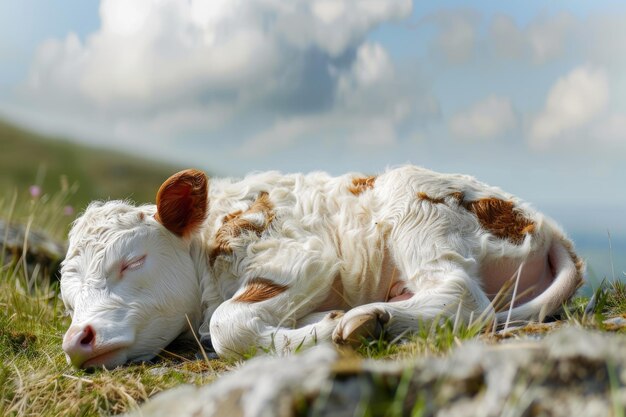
(68,210)
(35,191)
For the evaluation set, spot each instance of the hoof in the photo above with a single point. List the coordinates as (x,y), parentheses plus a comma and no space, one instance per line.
(353,328)
(209,355)
(207,347)
(206,343)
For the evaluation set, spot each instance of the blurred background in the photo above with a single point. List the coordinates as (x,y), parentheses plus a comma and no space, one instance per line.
(105,99)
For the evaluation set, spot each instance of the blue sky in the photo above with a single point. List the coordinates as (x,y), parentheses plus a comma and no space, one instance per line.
(529,96)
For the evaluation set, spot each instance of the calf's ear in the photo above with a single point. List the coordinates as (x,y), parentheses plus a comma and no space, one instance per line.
(182,202)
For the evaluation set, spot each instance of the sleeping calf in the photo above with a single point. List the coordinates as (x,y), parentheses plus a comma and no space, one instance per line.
(282,261)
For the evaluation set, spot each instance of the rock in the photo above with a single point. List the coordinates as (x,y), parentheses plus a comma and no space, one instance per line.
(615,323)
(263,387)
(571,372)
(43,254)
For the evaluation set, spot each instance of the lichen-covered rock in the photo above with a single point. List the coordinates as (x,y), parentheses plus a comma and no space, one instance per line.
(263,387)
(571,372)
(40,253)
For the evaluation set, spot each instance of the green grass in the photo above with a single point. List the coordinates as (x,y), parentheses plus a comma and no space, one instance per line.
(613,298)
(434,340)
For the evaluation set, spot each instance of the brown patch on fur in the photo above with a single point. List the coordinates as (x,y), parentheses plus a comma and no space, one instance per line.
(182,202)
(459,196)
(234,225)
(501,219)
(359,185)
(231,216)
(425,197)
(260,289)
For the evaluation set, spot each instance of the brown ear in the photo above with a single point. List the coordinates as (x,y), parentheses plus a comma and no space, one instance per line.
(182,202)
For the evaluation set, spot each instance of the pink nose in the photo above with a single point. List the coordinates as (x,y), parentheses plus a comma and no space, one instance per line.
(79,342)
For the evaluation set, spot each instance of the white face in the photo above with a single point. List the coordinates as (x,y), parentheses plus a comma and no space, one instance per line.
(128,284)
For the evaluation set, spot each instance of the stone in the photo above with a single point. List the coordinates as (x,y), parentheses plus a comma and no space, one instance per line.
(570,372)
(262,387)
(41,254)
(615,323)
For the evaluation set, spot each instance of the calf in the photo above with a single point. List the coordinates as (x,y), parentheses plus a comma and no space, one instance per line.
(283,261)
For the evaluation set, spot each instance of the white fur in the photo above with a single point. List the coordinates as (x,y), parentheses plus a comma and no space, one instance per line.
(321,234)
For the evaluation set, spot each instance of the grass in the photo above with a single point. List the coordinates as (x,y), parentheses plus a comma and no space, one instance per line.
(434,340)
(612,298)
(36,380)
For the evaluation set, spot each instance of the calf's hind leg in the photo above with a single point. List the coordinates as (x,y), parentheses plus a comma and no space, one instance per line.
(453,293)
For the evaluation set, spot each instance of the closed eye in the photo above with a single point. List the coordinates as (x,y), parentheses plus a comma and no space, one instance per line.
(133,264)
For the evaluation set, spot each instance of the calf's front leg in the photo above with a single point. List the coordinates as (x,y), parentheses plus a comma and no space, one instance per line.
(240,326)
(288,279)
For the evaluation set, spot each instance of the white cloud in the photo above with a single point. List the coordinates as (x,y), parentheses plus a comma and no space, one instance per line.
(362,86)
(460,37)
(544,39)
(547,37)
(574,101)
(507,39)
(603,40)
(457,35)
(368,105)
(332,25)
(610,131)
(161,68)
(373,132)
(281,135)
(149,53)
(485,119)
(588,104)
(372,65)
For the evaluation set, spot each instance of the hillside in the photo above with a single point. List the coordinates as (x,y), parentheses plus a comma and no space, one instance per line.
(27,158)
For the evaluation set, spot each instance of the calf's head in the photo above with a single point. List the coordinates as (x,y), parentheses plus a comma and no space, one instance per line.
(128,280)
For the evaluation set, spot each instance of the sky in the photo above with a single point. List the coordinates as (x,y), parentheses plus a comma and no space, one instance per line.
(529,96)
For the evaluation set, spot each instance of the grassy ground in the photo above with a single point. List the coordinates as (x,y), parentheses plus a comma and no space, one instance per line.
(36,380)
